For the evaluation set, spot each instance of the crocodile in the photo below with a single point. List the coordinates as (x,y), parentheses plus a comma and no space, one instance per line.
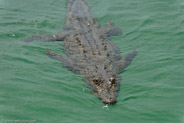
(89,51)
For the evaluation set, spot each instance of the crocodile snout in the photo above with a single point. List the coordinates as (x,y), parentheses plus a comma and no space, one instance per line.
(109,101)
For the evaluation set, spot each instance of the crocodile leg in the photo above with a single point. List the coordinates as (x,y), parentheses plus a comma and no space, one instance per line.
(55,37)
(126,60)
(110,30)
(66,62)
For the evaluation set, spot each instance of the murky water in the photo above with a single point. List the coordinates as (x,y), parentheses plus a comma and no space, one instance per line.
(35,88)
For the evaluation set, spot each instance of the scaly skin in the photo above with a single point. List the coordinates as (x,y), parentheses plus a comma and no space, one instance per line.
(89,51)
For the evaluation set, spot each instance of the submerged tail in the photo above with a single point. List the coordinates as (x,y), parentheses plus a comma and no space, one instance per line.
(78,8)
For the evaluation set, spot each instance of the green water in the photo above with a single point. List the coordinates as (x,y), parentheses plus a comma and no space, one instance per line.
(35,88)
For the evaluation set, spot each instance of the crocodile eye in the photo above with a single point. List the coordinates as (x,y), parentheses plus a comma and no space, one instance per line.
(96,81)
(112,80)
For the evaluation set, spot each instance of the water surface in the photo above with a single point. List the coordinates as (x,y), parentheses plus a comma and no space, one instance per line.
(35,87)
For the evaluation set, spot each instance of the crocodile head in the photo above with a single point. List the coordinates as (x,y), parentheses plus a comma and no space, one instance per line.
(106,89)
(105,85)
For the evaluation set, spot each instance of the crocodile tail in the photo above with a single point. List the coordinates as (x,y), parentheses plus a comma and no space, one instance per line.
(82,2)
(78,8)
(70,2)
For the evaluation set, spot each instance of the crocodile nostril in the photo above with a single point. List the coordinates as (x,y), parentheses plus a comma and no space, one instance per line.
(110,101)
